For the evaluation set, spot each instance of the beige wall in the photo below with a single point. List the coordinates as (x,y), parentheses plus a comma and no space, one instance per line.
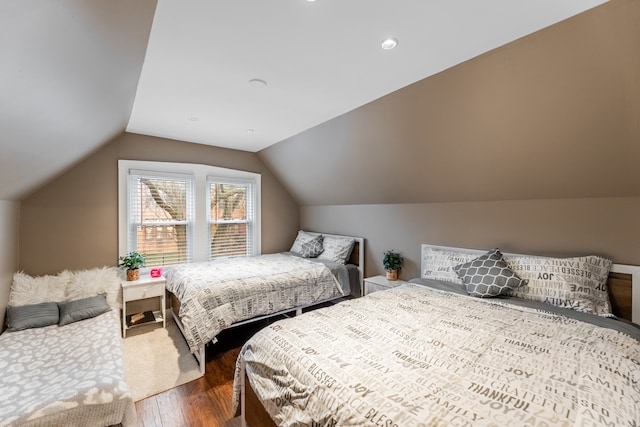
(72,222)
(533,147)
(554,115)
(9,225)
(604,226)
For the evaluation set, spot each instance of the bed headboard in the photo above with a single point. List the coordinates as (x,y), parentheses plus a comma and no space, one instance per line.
(623,283)
(624,291)
(357,254)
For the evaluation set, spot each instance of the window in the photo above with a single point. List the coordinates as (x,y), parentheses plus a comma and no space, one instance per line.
(175,213)
(231,217)
(160,217)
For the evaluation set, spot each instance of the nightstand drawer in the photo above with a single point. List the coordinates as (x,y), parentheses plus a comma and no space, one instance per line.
(143,291)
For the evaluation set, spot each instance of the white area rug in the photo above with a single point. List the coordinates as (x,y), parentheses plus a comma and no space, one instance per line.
(157,359)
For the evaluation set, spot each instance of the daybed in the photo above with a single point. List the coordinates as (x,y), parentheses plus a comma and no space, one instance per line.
(209,297)
(71,372)
(429,353)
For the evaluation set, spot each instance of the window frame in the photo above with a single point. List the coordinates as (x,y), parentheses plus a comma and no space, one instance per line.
(189,221)
(200,245)
(250,199)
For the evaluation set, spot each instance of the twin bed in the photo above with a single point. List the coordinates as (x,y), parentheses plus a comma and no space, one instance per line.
(546,352)
(209,297)
(61,358)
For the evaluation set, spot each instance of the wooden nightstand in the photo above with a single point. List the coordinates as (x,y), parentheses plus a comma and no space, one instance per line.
(146,287)
(380,283)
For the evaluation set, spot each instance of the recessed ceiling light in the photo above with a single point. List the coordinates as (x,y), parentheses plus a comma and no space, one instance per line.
(389,43)
(257,83)
(311,1)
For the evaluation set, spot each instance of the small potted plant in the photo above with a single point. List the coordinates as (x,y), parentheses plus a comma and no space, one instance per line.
(392,263)
(132,262)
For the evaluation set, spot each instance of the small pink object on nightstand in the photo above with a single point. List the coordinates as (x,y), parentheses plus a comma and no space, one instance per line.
(156,272)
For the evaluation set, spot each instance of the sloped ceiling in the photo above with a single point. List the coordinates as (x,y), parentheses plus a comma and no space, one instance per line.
(72,74)
(68,76)
(319,59)
(554,115)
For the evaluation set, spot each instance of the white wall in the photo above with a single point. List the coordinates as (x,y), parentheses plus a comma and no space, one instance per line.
(9,227)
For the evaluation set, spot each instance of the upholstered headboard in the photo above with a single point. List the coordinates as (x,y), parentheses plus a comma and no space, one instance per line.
(623,283)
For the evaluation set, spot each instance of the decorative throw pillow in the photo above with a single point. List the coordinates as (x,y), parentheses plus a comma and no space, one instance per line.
(337,249)
(578,283)
(301,238)
(488,275)
(96,281)
(28,290)
(313,247)
(438,264)
(73,311)
(32,316)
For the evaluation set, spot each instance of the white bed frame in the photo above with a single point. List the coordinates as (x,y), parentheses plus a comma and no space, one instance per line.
(632,270)
(200,355)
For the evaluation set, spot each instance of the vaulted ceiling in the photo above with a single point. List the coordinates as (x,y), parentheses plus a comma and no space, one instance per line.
(76,73)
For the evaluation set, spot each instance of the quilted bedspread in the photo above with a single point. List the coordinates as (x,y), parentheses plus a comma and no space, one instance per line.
(414,356)
(214,295)
(71,375)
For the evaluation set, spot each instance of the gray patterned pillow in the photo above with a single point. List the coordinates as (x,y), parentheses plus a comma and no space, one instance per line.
(488,275)
(313,247)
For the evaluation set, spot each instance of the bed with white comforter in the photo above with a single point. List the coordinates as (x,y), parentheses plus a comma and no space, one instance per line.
(417,356)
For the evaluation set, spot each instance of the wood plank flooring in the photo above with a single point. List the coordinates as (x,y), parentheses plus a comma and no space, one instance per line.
(206,401)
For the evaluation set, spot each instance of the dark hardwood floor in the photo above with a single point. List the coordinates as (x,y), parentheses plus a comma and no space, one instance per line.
(207,400)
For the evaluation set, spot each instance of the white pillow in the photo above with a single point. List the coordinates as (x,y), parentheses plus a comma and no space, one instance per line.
(438,264)
(337,249)
(578,283)
(302,238)
(89,283)
(28,290)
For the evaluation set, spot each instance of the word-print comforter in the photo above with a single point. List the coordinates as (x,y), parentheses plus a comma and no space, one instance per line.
(214,295)
(414,356)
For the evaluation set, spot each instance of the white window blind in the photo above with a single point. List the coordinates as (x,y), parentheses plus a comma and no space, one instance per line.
(183,212)
(161,214)
(232,217)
